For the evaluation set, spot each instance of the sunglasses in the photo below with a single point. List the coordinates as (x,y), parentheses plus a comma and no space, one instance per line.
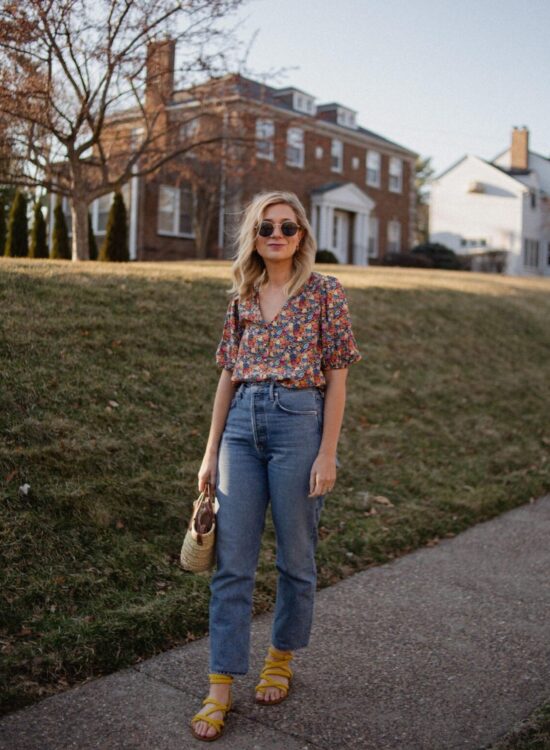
(288,228)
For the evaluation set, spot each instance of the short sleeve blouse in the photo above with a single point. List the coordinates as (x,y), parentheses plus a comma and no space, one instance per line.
(311,333)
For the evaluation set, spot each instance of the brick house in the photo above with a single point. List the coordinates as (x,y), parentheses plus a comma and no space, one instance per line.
(357,187)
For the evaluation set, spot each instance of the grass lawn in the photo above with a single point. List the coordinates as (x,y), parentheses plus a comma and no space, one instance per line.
(106,383)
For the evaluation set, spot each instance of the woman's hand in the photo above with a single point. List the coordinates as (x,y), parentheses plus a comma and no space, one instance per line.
(323,474)
(207,472)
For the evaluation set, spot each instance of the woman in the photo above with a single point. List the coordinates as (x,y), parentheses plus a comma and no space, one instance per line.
(286,346)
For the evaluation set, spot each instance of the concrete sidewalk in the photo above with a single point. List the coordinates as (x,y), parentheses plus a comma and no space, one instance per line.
(443,649)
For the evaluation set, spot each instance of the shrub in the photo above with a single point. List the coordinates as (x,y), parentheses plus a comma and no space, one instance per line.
(115,246)
(92,244)
(38,246)
(61,248)
(17,242)
(325,256)
(440,255)
(407,259)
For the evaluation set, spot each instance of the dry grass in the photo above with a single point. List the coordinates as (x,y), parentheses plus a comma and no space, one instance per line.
(105,391)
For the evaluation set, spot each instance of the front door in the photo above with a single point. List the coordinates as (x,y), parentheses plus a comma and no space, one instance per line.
(340,235)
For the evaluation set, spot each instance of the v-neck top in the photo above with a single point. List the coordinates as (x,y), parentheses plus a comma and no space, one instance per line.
(311,333)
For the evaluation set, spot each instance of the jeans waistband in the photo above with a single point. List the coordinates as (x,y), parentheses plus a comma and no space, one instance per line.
(271,386)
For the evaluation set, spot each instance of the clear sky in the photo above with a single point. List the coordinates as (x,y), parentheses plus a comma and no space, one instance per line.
(439,77)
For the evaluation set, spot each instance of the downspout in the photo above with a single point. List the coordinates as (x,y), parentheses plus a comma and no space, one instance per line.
(221,215)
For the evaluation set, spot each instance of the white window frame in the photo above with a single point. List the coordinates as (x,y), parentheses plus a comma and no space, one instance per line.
(175,193)
(295,147)
(373,162)
(394,236)
(336,153)
(265,136)
(374,236)
(395,184)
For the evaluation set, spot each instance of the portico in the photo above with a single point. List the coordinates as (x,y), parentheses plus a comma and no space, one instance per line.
(340,220)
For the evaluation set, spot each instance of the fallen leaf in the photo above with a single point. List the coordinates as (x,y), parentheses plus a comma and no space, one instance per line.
(381,500)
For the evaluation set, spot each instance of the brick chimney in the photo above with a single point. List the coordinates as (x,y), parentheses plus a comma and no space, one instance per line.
(519,153)
(159,85)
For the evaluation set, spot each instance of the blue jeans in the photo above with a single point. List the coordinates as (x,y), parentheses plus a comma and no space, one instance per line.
(270,441)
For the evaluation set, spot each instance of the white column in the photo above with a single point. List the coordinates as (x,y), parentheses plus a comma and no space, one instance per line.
(323,228)
(134,183)
(360,239)
(314,220)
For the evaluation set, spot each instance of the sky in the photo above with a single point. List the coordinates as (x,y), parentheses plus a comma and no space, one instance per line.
(442,78)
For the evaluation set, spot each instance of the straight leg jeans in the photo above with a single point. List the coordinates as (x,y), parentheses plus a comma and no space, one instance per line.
(270,441)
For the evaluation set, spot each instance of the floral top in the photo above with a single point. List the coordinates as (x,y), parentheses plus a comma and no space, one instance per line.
(311,333)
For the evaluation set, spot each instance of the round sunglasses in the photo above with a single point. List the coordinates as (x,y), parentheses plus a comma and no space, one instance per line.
(288,228)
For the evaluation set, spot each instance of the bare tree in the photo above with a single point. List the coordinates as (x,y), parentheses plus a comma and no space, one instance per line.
(84,88)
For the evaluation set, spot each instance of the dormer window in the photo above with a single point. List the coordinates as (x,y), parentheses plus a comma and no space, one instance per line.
(303,103)
(296,100)
(345,117)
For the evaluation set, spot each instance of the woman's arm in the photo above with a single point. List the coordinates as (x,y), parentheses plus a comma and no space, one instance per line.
(323,471)
(222,399)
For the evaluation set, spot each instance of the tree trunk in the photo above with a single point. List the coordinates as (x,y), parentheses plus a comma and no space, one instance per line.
(80,244)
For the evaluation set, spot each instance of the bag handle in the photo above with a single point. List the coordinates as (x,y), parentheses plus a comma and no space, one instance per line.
(204,507)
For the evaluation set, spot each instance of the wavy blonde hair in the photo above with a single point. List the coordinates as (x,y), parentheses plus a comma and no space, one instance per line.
(248,271)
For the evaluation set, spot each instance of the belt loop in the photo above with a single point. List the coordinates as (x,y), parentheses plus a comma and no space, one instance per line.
(271,389)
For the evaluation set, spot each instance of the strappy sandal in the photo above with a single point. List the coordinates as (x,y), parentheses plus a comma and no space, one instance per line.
(276,664)
(217,724)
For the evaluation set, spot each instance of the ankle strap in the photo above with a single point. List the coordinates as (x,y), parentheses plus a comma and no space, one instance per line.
(220,679)
(279,655)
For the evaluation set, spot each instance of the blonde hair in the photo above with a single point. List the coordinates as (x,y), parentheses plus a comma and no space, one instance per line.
(248,271)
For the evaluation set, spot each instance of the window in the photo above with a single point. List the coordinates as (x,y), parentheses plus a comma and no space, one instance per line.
(373,237)
(136,138)
(355,162)
(533,197)
(319,152)
(530,253)
(175,210)
(303,103)
(265,133)
(103,208)
(336,155)
(394,237)
(99,209)
(548,255)
(373,168)
(295,147)
(188,132)
(396,174)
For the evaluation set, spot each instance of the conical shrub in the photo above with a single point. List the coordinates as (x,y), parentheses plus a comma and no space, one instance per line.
(39,246)
(17,241)
(115,246)
(61,248)
(92,244)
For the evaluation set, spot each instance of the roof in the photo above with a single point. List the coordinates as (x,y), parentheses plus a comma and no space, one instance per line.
(249,88)
(487,163)
(327,187)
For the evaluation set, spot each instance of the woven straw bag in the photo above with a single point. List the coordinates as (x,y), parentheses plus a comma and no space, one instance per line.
(198,548)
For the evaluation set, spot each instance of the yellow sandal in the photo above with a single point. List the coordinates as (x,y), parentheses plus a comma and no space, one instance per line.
(276,664)
(217,724)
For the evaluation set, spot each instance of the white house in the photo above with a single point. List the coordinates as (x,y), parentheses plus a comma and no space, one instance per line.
(497,212)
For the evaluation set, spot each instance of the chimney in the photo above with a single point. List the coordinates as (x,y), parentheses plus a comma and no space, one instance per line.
(159,85)
(519,153)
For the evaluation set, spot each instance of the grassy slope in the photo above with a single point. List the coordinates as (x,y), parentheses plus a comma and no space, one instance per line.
(106,385)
